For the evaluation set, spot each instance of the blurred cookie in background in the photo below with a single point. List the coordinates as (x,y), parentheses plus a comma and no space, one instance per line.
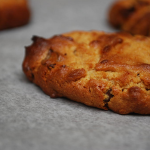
(13,13)
(131,15)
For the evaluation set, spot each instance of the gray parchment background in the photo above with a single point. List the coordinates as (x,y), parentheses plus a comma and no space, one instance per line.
(31,120)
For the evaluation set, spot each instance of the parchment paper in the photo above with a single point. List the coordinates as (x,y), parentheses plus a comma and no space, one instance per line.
(31,120)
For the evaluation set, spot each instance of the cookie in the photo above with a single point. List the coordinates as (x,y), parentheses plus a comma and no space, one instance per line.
(131,15)
(13,13)
(110,71)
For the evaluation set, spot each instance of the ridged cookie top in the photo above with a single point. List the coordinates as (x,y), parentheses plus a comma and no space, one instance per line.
(99,69)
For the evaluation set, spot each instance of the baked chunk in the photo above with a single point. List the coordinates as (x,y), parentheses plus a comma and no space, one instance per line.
(103,70)
(13,13)
(131,15)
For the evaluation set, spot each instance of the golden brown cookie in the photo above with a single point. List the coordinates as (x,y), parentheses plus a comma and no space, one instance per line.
(131,15)
(108,71)
(13,13)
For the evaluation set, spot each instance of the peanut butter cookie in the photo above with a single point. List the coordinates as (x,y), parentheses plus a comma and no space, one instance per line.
(103,70)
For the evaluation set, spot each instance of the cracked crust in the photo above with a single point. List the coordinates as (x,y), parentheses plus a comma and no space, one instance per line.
(108,71)
(13,13)
(131,15)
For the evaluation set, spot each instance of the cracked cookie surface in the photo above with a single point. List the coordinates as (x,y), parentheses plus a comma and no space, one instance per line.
(103,70)
(131,15)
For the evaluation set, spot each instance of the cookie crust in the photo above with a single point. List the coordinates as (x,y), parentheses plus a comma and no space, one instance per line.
(131,15)
(103,70)
(13,13)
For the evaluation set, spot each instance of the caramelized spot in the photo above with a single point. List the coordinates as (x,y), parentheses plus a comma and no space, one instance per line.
(95,43)
(104,61)
(117,41)
(69,38)
(109,41)
(106,49)
(76,75)
(62,37)
(135,93)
